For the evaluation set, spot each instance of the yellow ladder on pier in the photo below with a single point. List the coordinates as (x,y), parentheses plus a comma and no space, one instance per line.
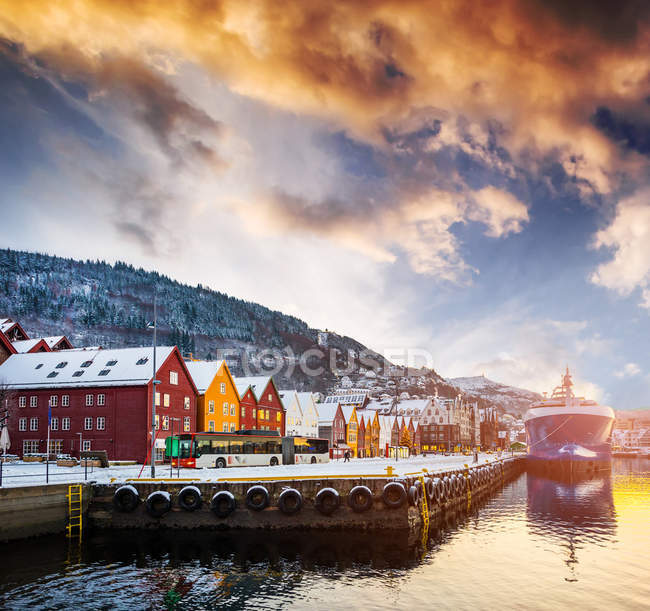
(75,510)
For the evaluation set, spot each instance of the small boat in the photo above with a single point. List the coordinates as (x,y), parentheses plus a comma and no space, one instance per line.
(569,434)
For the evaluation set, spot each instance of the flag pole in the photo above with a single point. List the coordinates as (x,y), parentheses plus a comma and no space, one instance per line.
(47,449)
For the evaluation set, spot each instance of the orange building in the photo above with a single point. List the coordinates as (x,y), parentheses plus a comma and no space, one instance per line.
(218,401)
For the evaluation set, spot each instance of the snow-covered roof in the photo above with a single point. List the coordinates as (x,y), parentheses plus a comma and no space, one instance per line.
(203,373)
(306,400)
(81,368)
(326,412)
(54,340)
(257,385)
(25,345)
(6,324)
(354,398)
(347,412)
(288,398)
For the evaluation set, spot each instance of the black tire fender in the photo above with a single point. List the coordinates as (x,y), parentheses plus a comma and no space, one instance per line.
(158,503)
(429,489)
(414,496)
(190,499)
(439,490)
(360,499)
(448,490)
(290,501)
(257,498)
(126,498)
(393,495)
(223,503)
(327,501)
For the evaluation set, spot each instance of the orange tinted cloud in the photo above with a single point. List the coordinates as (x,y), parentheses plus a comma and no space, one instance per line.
(539,71)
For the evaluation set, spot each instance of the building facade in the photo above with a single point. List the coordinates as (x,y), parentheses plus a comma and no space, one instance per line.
(99,400)
(218,406)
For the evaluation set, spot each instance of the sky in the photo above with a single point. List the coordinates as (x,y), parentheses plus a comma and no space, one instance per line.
(470,180)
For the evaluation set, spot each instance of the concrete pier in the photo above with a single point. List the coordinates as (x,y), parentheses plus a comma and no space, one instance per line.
(465,486)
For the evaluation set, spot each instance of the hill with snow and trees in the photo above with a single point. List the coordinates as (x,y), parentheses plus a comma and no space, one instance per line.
(508,398)
(95,303)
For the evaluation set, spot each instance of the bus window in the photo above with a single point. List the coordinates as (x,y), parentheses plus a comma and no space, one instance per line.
(249,447)
(260,447)
(219,446)
(203,447)
(236,447)
(274,447)
(185,448)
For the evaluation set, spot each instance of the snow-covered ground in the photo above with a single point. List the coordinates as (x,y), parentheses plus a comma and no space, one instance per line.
(29,474)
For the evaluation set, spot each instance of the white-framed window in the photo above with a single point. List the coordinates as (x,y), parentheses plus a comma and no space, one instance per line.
(88,424)
(233,409)
(101,423)
(54,424)
(33,401)
(30,446)
(254,412)
(225,408)
(279,416)
(232,427)
(165,423)
(211,407)
(268,415)
(22,424)
(86,445)
(223,388)
(65,424)
(166,400)
(211,426)
(56,446)
(173,377)
(90,400)
(186,424)
(54,399)
(225,427)
(101,399)
(243,411)
(157,399)
(65,400)
(270,397)
(22,401)
(186,403)
(157,422)
(33,424)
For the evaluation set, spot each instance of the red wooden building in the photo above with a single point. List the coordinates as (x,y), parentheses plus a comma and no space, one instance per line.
(331,426)
(100,399)
(260,405)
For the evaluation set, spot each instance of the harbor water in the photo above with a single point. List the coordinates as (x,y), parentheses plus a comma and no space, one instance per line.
(537,543)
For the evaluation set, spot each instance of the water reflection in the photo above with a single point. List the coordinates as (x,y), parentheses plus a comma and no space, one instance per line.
(573,511)
(544,543)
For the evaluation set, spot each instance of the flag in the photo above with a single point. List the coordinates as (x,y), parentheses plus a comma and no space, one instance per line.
(49,414)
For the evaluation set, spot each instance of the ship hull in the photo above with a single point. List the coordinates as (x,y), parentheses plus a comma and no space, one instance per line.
(566,443)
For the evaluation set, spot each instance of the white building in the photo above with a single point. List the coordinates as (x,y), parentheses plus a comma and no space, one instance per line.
(309,409)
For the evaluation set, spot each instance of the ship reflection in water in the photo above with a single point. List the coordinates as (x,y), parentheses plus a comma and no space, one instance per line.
(571,511)
(538,543)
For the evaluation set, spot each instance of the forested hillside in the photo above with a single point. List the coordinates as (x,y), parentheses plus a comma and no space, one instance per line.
(96,303)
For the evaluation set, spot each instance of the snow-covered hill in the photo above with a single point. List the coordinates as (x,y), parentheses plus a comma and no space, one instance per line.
(509,398)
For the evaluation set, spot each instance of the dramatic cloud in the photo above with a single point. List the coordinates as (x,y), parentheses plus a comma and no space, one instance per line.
(628,237)
(420,227)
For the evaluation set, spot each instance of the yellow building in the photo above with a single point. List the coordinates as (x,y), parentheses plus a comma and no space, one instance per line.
(351,428)
(218,401)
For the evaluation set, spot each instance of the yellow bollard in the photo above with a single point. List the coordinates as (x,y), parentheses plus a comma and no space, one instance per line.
(389,470)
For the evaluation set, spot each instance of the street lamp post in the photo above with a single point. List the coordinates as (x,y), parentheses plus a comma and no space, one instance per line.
(154,382)
(178,448)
